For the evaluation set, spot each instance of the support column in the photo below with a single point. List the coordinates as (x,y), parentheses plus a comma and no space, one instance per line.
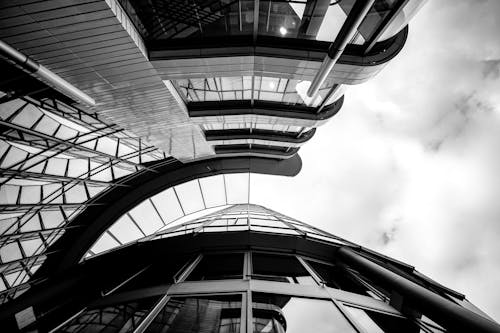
(443,311)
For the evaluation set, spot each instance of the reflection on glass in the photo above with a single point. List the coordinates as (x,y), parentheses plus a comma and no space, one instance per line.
(432,325)
(238,88)
(121,318)
(214,314)
(375,322)
(402,19)
(278,19)
(278,313)
(218,266)
(301,19)
(259,126)
(340,278)
(280,268)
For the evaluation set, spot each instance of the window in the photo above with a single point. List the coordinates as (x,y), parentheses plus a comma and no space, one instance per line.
(280,268)
(342,278)
(218,267)
(212,314)
(279,313)
(376,322)
(239,88)
(122,318)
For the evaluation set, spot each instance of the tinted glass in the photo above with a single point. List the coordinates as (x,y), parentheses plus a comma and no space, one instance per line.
(216,314)
(278,313)
(121,318)
(375,322)
(340,278)
(218,266)
(280,268)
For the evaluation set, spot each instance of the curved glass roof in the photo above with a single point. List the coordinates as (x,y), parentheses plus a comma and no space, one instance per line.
(172,207)
(54,160)
(220,215)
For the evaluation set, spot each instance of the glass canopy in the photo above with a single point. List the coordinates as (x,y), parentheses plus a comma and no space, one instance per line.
(211,204)
(54,160)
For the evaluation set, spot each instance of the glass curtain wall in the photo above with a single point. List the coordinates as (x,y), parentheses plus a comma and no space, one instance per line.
(299,19)
(283,298)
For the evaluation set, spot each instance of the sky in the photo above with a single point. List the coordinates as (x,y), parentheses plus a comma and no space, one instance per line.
(409,166)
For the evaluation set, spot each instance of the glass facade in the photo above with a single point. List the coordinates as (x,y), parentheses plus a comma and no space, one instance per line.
(299,19)
(248,291)
(201,205)
(280,268)
(299,315)
(218,267)
(122,317)
(260,88)
(266,127)
(213,314)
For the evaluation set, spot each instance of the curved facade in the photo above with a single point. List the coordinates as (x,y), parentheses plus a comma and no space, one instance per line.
(170,72)
(245,268)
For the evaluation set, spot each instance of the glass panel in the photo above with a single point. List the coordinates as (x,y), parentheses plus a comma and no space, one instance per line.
(375,322)
(190,197)
(280,268)
(338,277)
(114,318)
(374,18)
(325,272)
(314,19)
(218,267)
(104,243)
(125,230)
(273,89)
(10,252)
(278,19)
(167,204)
(146,217)
(279,313)
(157,274)
(213,314)
(236,188)
(432,325)
(402,19)
(213,190)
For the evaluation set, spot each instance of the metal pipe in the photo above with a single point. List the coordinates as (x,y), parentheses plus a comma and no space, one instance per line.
(44,74)
(443,311)
(345,35)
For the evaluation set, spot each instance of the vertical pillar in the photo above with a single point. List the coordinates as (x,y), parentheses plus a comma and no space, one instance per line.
(445,312)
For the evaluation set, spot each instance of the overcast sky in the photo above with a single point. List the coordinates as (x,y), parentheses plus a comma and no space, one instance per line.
(410,166)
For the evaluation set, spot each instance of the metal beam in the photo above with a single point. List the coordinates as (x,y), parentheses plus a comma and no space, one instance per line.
(345,35)
(443,311)
(44,74)
(67,143)
(21,174)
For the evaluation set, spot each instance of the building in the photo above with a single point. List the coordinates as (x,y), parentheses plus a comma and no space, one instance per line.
(245,268)
(108,105)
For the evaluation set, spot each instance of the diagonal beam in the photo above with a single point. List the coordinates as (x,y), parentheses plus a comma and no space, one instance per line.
(66,143)
(20,174)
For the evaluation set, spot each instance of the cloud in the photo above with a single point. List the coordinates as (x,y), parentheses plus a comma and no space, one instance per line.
(491,69)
